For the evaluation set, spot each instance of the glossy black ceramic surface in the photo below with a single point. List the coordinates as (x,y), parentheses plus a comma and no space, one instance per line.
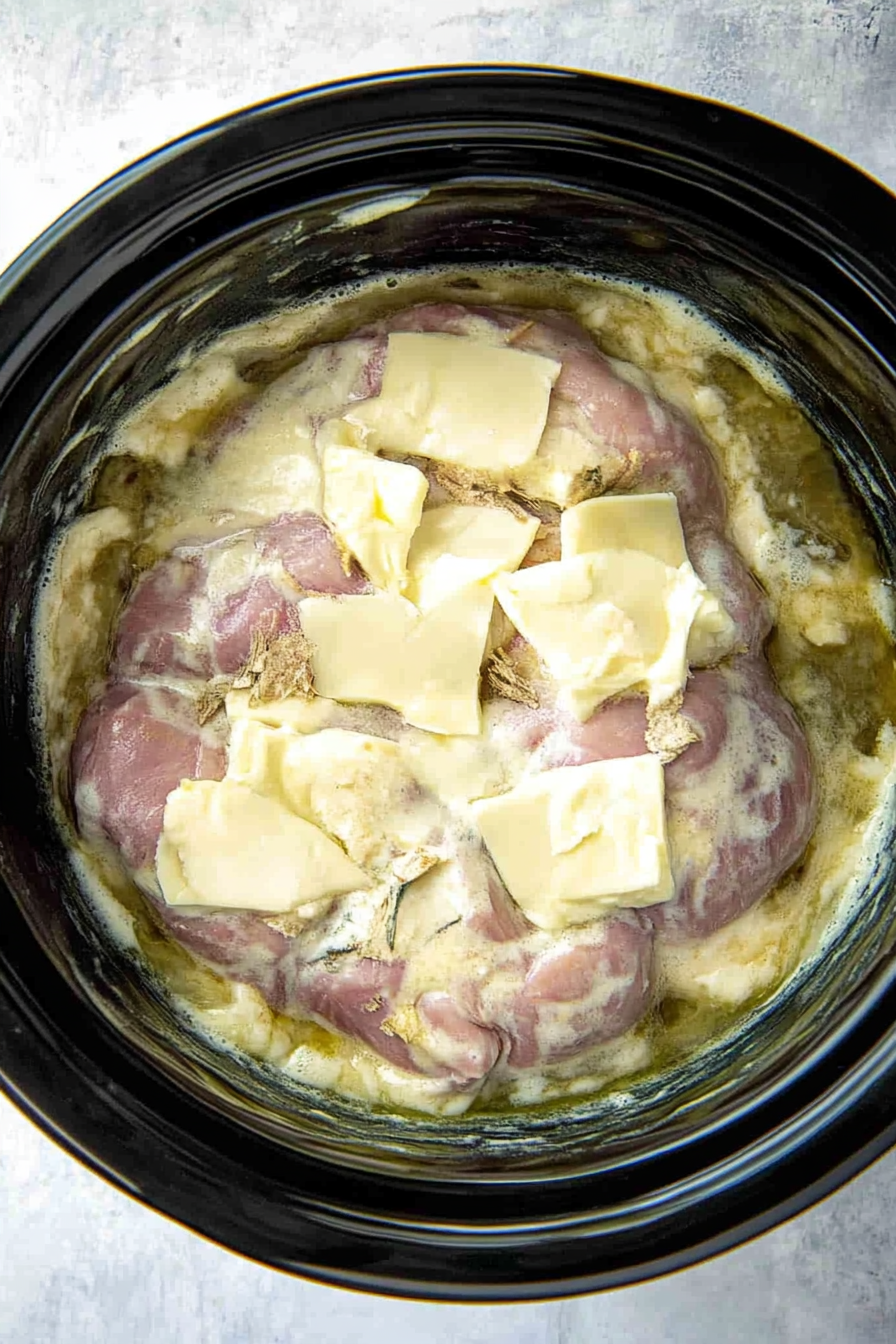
(789,249)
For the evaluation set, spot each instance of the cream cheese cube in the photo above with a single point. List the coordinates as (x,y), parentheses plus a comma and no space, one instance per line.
(381,650)
(374,507)
(224,845)
(459,400)
(460,544)
(605,622)
(574,842)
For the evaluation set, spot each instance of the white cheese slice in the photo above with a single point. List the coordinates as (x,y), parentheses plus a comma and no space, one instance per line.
(293,711)
(459,400)
(374,507)
(226,846)
(574,842)
(356,787)
(455,769)
(255,759)
(648,523)
(317,768)
(458,769)
(606,622)
(381,650)
(555,473)
(459,544)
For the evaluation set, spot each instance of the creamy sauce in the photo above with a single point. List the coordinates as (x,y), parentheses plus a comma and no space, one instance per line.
(177,472)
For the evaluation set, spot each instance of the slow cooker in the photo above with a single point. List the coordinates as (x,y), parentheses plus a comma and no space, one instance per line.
(782,244)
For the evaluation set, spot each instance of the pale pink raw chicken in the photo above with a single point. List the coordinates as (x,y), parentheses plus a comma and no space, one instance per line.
(134,745)
(751,759)
(172,627)
(749,784)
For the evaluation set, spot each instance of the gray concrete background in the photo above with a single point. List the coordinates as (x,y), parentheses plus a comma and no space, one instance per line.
(86,86)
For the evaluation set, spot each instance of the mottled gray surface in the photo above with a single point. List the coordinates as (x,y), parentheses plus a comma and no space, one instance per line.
(86,85)
(82,1264)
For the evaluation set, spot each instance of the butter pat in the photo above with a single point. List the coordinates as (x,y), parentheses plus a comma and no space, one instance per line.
(574,842)
(606,622)
(459,400)
(460,544)
(226,846)
(648,523)
(381,650)
(374,506)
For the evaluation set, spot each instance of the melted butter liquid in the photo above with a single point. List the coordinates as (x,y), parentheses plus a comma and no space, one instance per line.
(845,694)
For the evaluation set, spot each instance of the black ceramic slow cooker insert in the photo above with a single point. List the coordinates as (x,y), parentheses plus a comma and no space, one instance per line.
(786,247)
